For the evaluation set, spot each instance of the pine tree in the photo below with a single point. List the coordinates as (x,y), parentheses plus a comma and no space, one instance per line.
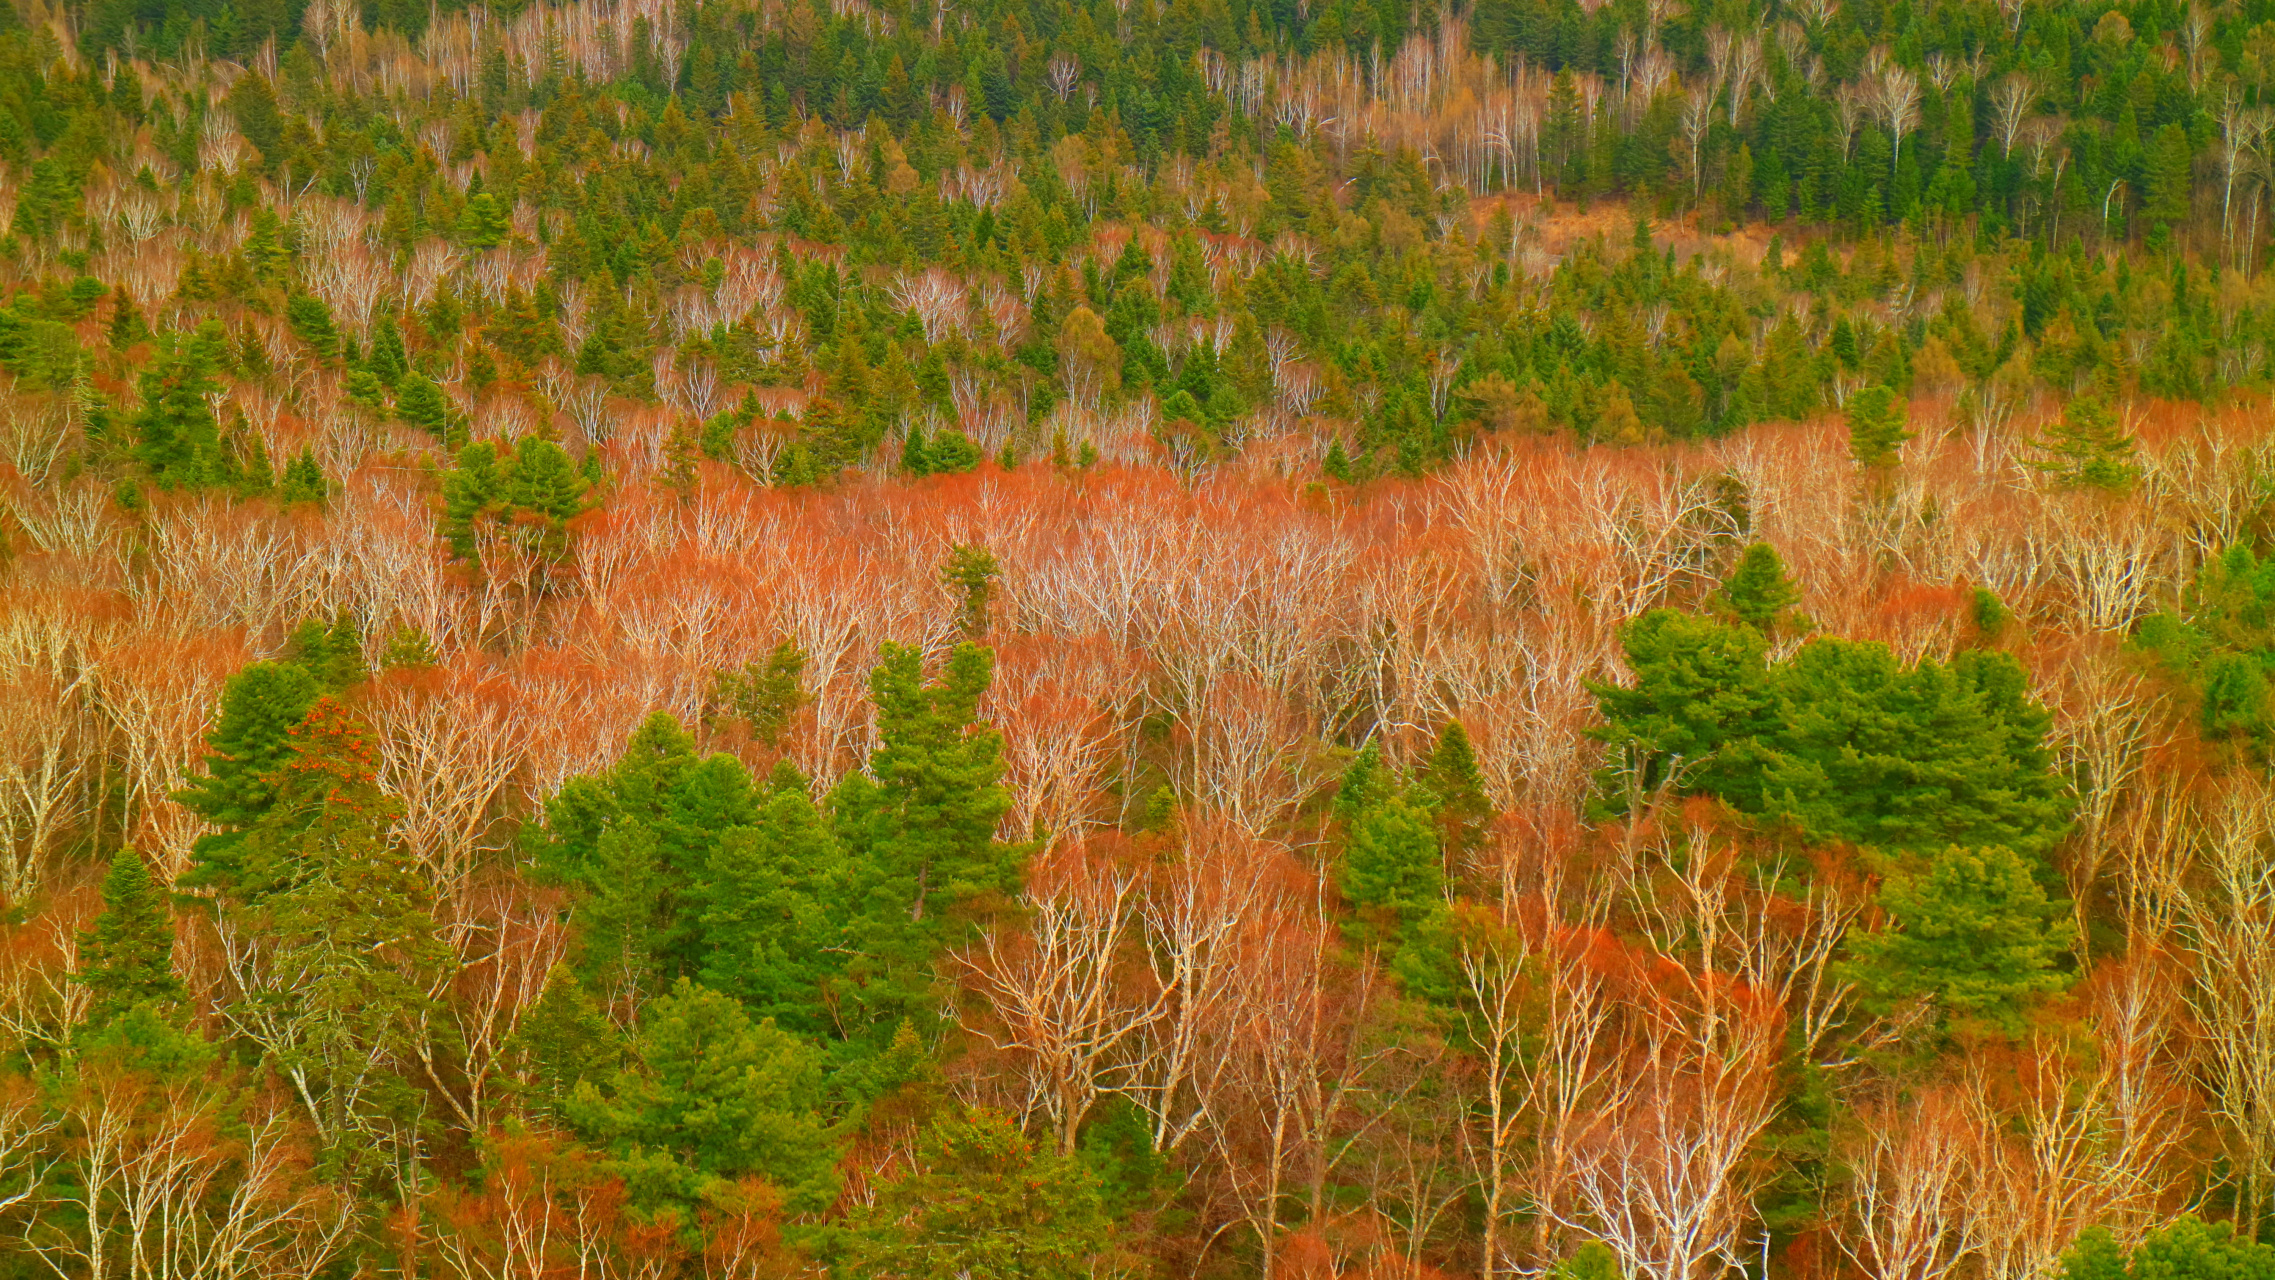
(1392,868)
(1972,929)
(127,958)
(1876,427)
(247,748)
(970,573)
(1464,810)
(350,926)
(563,1042)
(2087,448)
(421,403)
(719,1095)
(304,480)
(774,892)
(1759,594)
(764,695)
(176,436)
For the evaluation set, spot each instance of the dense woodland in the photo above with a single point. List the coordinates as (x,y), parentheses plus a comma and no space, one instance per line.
(716,641)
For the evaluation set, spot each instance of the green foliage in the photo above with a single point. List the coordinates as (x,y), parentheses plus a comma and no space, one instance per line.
(1759,594)
(176,438)
(970,574)
(2221,643)
(1876,427)
(764,695)
(126,959)
(2190,1249)
(528,495)
(1843,742)
(721,1095)
(350,923)
(1970,928)
(1451,776)
(421,403)
(920,836)
(1391,862)
(983,1202)
(2087,448)
(246,750)
(774,919)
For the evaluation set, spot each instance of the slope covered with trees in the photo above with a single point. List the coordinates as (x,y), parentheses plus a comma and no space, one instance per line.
(755,639)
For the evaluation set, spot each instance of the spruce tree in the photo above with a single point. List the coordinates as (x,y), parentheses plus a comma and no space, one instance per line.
(1392,867)
(1464,810)
(772,912)
(350,923)
(2087,448)
(1758,592)
(176,437)
(1876,427)
(247,748)
(126,959)
(1971,929)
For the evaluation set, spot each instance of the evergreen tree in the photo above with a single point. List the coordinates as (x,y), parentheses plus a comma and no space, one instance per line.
(2087,449)
(970,573)
(247,749)
(1392,867)
(349,923)
(720,1095)
(1876,427)
(176,437)
(127,958)
(772,926)
(303,480)
(562,1042)
(920,838)
(982,1201)
(1970,928)
(1758,593)
(1464,810)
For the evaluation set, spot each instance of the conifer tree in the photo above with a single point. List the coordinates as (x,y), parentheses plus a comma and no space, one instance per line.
(247,749)
(1876,427)
(176,437)
(2087,448)
(304,480)
(349,924)
(1392,868)
(1759,594)
(1464,811)
(1970,928)
(774,892)
(126,959)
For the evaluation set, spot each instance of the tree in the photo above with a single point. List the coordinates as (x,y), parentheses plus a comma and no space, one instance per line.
(1391,865)
(2087,449)
(1971,929)
(722,1095)
(982,1202)
(1453,780)
(1700,686)
(764,695)
(127,959)
(1875,427)
(1758,592)
(250,745)
(921,837)
(176,438)
(2190,1249)
(332,940)
(773,923)
(970,572)
(421,403)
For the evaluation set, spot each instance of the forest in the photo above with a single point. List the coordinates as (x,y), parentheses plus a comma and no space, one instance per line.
(1061,639)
